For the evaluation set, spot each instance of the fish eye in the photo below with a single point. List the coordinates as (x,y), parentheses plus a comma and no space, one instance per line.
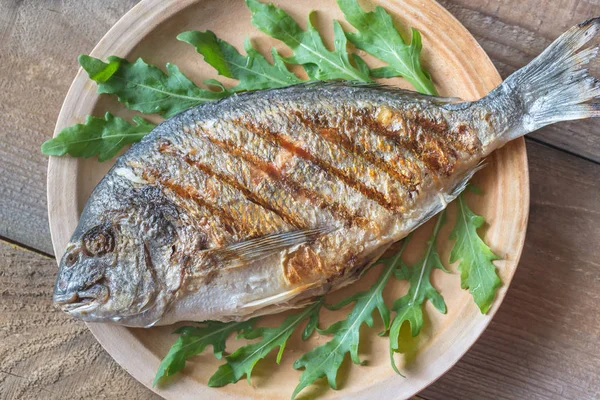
(70,260)
(98,241)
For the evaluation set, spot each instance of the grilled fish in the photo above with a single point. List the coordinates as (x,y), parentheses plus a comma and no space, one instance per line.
(264,200)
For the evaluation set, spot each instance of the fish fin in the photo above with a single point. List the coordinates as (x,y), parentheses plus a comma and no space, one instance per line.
(280,297)
(401,93)
(383,88)
(555,85)
(239,254)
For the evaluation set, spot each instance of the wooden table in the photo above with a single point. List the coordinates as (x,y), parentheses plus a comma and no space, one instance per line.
(544,343)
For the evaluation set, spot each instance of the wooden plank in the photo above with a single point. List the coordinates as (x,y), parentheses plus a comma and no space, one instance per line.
(39,45)
(513,32)
(45,354)
(543,343)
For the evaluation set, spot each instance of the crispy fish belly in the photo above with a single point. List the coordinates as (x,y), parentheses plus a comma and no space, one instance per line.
(261,201)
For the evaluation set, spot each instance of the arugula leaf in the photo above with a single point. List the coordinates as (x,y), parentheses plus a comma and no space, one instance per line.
(103,137)
(477,272)
(146,88)
(410,306)
(252,70)
(194,339)
(243,360)
(308,47)
(377,35)
(325,360)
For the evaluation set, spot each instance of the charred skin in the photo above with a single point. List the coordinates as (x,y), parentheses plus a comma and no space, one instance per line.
(364,161)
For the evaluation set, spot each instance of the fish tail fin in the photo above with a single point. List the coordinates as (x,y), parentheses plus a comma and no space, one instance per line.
(556,86)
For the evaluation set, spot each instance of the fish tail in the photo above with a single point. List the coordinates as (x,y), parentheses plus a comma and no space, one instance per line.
(555,86)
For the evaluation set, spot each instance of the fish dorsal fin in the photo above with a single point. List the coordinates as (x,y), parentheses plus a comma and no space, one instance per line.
(241,253)
(379,87)
(324,85)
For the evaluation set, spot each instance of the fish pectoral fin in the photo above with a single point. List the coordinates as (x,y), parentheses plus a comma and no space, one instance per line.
(239,254)
(280,297)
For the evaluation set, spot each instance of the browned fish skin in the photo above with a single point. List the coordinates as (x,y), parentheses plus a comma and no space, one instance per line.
(286,161)
(368,162)
(259,201)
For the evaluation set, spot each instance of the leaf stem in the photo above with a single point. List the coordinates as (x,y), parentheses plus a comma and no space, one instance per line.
(430,245)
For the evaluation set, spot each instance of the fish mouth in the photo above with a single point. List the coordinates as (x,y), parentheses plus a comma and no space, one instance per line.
(84,300)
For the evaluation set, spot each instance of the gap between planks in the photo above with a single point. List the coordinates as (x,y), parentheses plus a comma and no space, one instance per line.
(24,247)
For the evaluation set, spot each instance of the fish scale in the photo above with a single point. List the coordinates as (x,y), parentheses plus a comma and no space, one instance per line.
(349,168)
(397,158)
(206,161)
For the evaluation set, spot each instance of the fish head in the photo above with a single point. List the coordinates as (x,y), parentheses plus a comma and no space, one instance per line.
(119,265)
(81,285)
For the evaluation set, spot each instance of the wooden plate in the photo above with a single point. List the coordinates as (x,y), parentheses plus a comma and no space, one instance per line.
(459,67)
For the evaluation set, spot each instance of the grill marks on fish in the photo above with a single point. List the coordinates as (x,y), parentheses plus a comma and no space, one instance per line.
(296,175)
(403,144)
(342,129)
(179,193)
(230,180)
(430,141)
(277,174)
(282,167)
(255,219)
(259,180)
(346,175)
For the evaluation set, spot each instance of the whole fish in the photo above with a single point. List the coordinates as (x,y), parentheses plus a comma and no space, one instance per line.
(264,200)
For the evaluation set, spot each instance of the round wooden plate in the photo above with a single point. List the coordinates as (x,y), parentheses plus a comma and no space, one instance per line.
(459,67)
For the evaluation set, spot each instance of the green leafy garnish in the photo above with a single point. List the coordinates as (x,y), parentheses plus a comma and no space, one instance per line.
(325,360)
(194,339)
(102,137)
(320,63)
(477,272)
(146,88)
(410,306)
(243,360)
(377,35)
(252,70)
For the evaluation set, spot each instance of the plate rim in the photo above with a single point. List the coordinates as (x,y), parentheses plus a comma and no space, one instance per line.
(140,20)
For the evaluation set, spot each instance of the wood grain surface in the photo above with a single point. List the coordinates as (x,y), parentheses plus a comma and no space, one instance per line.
(542,344)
